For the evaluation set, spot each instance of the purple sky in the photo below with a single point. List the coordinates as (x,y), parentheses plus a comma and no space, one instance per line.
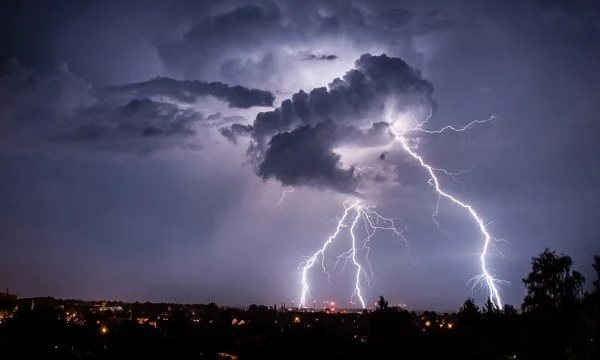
(110,191)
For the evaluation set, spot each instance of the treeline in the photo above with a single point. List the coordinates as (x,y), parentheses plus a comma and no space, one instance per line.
(557,320)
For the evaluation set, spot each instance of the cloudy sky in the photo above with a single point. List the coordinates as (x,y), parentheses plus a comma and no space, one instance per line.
(145,145)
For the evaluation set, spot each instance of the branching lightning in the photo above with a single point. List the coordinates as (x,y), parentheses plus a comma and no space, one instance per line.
(485,277)
(320,254)
(355,211)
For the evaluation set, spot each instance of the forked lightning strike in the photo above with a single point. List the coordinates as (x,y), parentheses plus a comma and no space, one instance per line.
(356,211)
(373,222)
(320,254)
(359,269)
(486,277)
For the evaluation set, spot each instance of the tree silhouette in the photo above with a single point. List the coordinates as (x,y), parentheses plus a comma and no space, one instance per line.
(388,324)
(593,311)
(382,304)
(552,307)
(489,309)
(596,266)
(509,310)
(552,284)
(468,314)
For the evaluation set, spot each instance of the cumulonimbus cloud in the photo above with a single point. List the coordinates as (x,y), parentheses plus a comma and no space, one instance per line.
(295,142)
(272,43)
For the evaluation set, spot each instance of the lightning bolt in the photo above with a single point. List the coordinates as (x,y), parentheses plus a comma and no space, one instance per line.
(485,277)
(284,193)
(308,263)
(359,269)
(355,210)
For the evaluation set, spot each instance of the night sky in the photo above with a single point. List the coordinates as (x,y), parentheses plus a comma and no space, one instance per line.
(145,144)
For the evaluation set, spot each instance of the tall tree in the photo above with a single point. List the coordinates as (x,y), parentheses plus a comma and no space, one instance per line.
(388,324)
(594,311)
(509,310)
(596,282)
(382,304)
(552,284)
(552,307)
(468,314)
(489,309)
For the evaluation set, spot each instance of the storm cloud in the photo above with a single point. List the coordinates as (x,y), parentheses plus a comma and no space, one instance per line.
(141,126)
(54,106)
(188,91)
(294,143)
(321,57)
(305,155)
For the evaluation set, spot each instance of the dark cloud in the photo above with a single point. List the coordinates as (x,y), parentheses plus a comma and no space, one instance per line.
(57,106)
(226,26)
(243,42)
(53,106)
(241,29)
(188,91)
(304,156)
(34,102)
(141,126)
(140,117)
(352,107)
(358,98)
(232,132)
(321,57)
